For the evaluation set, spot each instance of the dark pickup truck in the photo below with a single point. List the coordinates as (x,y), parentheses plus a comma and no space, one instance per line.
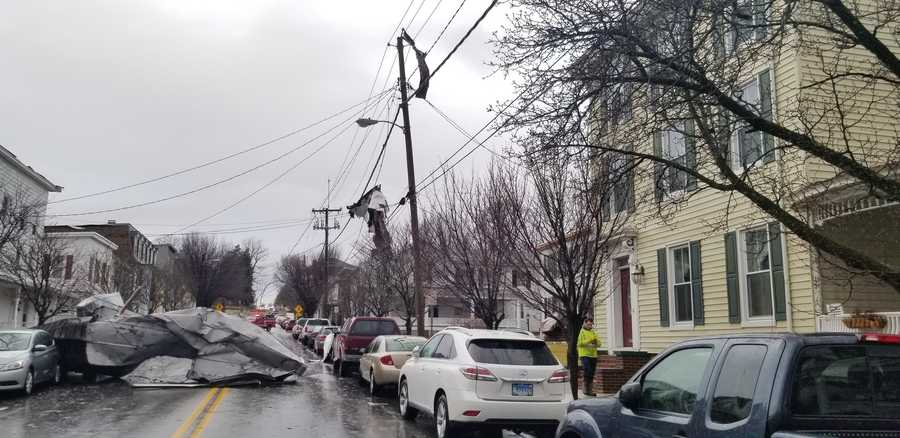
(779,386)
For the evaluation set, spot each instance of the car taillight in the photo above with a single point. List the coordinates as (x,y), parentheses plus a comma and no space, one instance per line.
(879,338)
(322,338)
(477,373)
(559,376)
(387,360)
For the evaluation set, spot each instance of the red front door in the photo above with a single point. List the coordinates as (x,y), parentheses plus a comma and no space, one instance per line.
(625,288)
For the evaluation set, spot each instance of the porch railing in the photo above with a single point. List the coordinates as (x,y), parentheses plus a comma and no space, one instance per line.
(834,323)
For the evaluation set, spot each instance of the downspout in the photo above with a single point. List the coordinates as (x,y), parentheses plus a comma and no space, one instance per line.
(788,296)
(16,311)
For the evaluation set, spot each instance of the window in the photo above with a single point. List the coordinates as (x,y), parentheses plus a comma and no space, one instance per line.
(445,349)
(680,283)
(747,21)
(368,327)
(551,265)
(511,352)
(403,344)
(751,146)
(736,384)
(756,278)
(42,338)
(848,380)
(430,346)
(69,262)
(672,384)
(673,147)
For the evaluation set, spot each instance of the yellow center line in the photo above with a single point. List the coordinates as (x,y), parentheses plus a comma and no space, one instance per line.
(194,424)
(209,413)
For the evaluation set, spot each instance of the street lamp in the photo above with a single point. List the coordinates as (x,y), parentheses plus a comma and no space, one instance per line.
(365,123)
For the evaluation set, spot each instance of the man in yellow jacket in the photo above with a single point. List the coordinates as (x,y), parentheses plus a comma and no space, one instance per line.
(587,354)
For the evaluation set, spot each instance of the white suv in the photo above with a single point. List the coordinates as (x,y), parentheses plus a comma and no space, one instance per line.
(492,379)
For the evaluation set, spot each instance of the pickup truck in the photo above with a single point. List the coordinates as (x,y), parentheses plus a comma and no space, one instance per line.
(267,322)
(754,385)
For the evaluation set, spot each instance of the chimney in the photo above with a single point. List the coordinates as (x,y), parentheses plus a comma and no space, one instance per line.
(110,222)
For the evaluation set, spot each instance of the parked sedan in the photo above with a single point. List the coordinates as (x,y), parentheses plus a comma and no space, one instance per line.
(319,342)
(27,357)
(383,359)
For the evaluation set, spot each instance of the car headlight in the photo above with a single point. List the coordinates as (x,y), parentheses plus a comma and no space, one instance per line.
(12,365)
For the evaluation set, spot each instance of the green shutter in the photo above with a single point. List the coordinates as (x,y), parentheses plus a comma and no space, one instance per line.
(760,19)
(697,282)
(662,271)
(731,278)
(765,110)
(690,149)
(777,265)
(629,180)
(658,168)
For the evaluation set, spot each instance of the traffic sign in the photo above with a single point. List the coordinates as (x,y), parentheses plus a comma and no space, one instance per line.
(298,310)
(219,307)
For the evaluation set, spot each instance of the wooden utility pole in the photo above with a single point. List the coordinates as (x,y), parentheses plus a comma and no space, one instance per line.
(327,226)
(411,196)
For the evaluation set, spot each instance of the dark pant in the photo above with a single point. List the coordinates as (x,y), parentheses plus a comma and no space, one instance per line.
(588,366)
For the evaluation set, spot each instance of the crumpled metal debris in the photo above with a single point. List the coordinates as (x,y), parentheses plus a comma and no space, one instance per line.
(152,349)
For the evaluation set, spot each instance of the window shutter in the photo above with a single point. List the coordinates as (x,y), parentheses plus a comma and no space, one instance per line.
(697,283)
(777,271)
(629,180)
(658,168)
(731,278)
(690,158)
(69,260)
(765,109)
(662,270)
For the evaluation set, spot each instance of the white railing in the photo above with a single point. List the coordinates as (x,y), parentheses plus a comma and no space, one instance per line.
(834,323)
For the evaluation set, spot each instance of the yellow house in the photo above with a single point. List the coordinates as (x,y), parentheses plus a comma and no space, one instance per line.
(715,263)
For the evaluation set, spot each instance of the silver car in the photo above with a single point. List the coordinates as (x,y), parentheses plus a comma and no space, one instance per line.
(27,357)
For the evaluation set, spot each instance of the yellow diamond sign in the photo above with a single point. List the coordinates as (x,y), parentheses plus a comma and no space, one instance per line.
(219,307)
(298,310)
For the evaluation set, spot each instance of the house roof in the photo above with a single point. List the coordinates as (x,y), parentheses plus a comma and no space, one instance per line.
(11,158)
(73,231)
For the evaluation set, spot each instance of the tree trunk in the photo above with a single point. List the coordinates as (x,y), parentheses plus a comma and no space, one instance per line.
(572,356)
(408,322)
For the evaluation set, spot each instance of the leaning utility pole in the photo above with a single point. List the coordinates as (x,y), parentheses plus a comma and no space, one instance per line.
(413,210)
(327,226)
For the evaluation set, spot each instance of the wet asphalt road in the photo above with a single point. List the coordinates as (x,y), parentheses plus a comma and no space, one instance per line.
(319,405)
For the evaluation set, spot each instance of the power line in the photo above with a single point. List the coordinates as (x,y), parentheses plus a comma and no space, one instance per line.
(428,19)
(465,133)
(219,160)
(463,39)
(273,181)
(452,17)
(207,186)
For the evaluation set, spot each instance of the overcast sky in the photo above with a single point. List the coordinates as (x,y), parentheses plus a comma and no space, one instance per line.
(101,94)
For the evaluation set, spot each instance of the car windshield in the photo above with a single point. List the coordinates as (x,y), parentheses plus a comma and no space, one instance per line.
(368,327)
(511,352)
(14,341)
(404,344)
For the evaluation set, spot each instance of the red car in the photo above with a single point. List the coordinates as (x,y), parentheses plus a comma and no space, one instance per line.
(355,335)
(289,324)
(265,321)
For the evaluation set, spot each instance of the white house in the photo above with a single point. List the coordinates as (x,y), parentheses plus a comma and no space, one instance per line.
(88,265)
(20,184)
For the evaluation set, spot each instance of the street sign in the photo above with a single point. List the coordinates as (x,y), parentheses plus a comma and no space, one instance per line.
(298,310)
(219,307)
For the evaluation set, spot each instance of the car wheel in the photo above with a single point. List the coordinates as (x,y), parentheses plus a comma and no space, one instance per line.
(442,425)
(28,387)
(343,370)
(406,411)
(336,368)
(373,387)
(89,377)
(57,375)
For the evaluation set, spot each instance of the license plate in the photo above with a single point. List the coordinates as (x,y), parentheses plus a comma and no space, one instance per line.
(523,389)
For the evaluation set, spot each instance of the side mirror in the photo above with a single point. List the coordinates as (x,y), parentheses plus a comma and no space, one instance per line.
(39,347)
(630,395)
(416,350)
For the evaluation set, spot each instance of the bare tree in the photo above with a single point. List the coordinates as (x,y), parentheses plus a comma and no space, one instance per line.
(44,267)
(301,282)
(466,237)
(256,254)
(373,294)
(215,272)
(612,77)
(18,217)
(560,238)
(393,269)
